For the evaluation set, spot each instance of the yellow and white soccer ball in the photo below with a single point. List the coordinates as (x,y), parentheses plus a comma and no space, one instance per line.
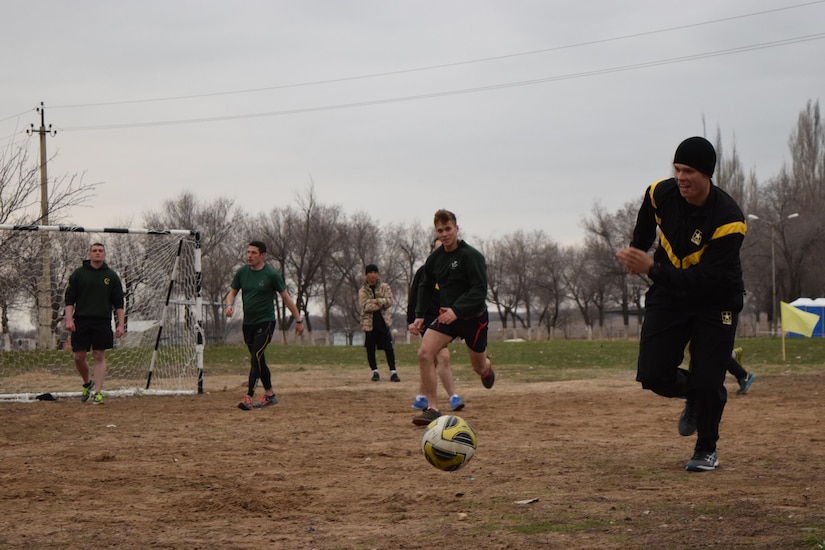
(449,442)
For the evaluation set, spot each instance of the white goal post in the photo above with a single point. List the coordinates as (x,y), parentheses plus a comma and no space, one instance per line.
(162,349)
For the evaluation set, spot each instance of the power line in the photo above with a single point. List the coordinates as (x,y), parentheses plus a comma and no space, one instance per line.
(18,115)
(439,66)
(570,76)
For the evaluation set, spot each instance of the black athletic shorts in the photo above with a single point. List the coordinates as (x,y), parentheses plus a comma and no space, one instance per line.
(92,334)
(258,330)
(472,331)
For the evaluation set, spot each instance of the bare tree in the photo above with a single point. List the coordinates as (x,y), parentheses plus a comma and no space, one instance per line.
(222,241)
(408,248)
(581,282)
(548,285)
(807,146)
(20,204)
(359,247)
(303,241)
(729,174)
(606,233)
(20,189)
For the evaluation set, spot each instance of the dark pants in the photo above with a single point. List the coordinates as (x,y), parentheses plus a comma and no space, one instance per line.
(379,339)
(710,335)
(736,369)
(257,337)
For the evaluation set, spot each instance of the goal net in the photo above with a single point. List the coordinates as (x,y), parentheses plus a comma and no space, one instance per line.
(162,348)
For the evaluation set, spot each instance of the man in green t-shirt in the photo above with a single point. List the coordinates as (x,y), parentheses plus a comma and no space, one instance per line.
(259,282)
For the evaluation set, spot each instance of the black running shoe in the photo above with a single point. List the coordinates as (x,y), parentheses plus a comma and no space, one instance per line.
(426,416)
(246,403)
(687,420)
(702,461)
(488,379)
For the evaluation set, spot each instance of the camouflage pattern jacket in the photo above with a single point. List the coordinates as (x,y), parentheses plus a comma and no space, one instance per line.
(383,294)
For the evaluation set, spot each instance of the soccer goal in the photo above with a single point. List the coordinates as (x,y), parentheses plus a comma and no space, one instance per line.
(162,349)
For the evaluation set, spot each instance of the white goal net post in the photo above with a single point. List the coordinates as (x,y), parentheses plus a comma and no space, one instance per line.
(162,349)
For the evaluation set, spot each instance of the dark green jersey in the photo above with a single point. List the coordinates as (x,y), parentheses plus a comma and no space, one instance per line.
(94,292)
(461,279)
(258,288)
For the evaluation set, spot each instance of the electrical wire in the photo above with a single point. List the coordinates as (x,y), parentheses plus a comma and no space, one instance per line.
(571,76)
(440,66)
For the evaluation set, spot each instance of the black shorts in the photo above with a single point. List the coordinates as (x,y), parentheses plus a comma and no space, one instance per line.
(472,331)
(92,334)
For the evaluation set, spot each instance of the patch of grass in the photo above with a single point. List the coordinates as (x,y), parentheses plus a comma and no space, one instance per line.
(526,361)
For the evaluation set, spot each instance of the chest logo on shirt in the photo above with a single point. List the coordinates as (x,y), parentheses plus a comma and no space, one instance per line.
(261,283)
(727,318)
(106,281)
(696,238)
(454,264)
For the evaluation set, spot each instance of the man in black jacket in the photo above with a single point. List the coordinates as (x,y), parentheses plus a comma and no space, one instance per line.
(94,290)
(696,294)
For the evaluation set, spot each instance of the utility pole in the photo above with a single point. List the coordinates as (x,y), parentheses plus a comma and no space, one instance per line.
(45,335)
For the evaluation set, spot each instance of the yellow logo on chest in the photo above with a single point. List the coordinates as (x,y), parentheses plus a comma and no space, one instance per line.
(696,238)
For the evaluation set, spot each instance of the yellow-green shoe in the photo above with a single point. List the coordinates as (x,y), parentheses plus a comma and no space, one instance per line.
(86,392)
(97,399)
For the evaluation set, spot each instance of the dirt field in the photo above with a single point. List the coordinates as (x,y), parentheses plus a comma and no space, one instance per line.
(585,464)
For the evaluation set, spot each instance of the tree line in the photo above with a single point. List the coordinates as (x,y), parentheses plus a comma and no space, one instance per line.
(533,281)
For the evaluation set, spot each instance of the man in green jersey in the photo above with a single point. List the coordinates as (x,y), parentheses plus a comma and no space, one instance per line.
(259,282)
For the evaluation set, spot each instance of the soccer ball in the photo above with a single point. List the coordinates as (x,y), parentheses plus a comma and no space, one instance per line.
(449,443)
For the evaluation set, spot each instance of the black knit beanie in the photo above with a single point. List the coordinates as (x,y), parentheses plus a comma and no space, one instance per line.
(371,268)
(696,152)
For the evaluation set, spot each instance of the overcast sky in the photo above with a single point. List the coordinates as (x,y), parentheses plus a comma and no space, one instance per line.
(516,114)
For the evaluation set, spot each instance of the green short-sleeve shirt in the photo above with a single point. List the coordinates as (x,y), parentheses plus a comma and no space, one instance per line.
(258,289)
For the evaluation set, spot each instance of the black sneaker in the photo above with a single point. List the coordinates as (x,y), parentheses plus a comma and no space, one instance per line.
(426,416)
(394,377)
(488,379)
(702,461)
(687,420)
(375,376)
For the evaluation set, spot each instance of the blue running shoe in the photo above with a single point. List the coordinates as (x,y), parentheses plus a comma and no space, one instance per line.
(420,402)
(745,384)
(456,403)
